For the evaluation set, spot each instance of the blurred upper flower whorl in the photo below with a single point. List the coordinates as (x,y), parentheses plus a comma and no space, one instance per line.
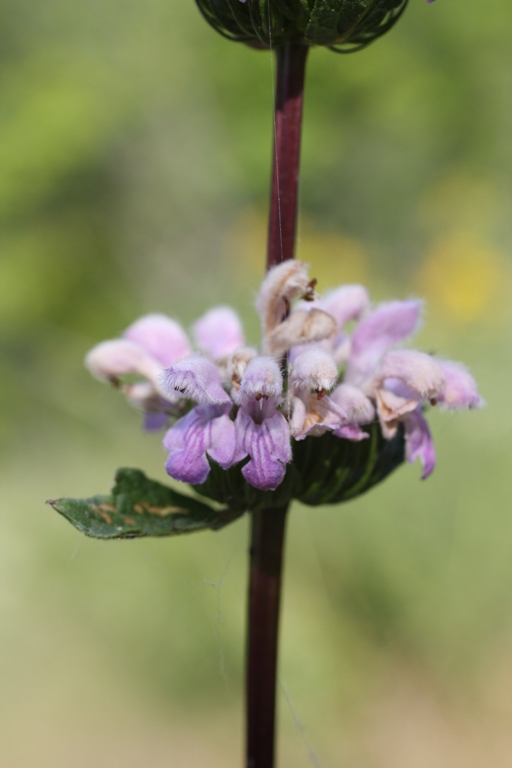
(343,25)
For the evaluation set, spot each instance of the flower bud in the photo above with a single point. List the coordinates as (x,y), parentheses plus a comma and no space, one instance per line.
(344,25)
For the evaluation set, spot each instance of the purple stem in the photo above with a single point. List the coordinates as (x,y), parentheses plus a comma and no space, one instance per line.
(291,67)
(266,553)
(268,526)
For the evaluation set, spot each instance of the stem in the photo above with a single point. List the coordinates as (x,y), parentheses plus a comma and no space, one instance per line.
(268,526)
(291,68)
(266,560)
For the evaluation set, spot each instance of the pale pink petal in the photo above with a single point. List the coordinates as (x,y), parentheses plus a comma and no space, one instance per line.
(268,445)
(313,415)
(345,303)
(196,378)
(418,442)
(222,441)
(219,332)
(261,387)
(161,337)
(391,408)
(460,390)
(236,365)
(280,286)
(112,359)
(302,326)
(357,408)
(421,373)
(298,417)
(351,432)
(186,443)
(377,333)
(313,369)
(204,430)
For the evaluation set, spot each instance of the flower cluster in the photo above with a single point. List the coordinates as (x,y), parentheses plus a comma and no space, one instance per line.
(234,403)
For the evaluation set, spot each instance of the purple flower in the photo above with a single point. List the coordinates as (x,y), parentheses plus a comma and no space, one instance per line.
(345,304)
(313,374)
(376,334)
(206,429)
(335,381)
(219,332)
(161,337)
(262,432)
(196,378)
(402,382)
(146,348)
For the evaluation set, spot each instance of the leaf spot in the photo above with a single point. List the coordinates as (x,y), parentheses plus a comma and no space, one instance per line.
(106,517)
(164,511)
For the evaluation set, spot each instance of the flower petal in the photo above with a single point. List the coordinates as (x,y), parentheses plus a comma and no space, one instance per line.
(197,378)
(157,410)
(393,407)
(281,285)
(357,408)
(268,445)
(377,333)
(154,421)
(421,373)
(219,332)
(112,359)
(236,365)
(418,442)
(222,441)
(261,387)
(345,303)
(314,415)
(351,432)
(460,390)
(300,327)
(313,369)
(205,429)
(186,443)
(163,338)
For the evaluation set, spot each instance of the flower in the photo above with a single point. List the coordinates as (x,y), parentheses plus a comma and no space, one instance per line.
(262,432)
(402,382)
(311,380)
(206,429)
(146,348)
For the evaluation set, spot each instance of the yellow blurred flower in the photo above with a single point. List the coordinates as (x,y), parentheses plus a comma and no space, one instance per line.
(466,277)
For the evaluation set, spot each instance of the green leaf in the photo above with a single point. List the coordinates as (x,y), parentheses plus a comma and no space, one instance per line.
(138,507)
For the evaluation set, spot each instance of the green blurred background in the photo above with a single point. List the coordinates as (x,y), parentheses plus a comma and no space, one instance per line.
(134,172)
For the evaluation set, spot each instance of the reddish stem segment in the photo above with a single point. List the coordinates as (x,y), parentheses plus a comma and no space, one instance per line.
(291,68)
(268,526)
(266,553)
